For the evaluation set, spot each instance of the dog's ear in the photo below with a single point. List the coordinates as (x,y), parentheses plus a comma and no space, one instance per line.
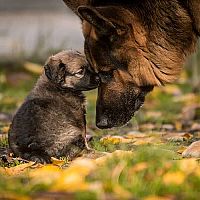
(194,9)
(101,23)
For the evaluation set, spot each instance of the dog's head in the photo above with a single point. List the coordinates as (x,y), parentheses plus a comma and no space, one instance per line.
(132,53)
(70,70)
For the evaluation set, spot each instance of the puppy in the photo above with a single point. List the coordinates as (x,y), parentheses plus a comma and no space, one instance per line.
(51,122)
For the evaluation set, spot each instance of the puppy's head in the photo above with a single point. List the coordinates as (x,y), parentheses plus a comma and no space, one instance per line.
(70,70)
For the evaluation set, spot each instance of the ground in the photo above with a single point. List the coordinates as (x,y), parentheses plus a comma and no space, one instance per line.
(142,160)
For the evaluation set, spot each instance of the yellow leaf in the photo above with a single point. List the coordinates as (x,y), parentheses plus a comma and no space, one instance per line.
(148,140)
(10,196)
(189,165)
(121,192)
(46,174)
(33,68)
(176,178)
(115,140)
(187,136)
(18,169)
(178,125)
(181,149)
(57,162)
(139,167)
(158,198)
(141,142)
(5,129)
(73,178)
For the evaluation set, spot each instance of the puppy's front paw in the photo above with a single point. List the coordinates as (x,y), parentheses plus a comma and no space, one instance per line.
(192,151)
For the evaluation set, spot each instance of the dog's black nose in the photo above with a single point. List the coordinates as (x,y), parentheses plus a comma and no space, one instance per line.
(102,123)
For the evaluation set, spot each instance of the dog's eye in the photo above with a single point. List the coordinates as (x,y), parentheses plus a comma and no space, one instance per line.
(80,73)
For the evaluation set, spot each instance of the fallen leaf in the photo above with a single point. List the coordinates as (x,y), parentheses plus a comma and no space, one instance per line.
(73,178)
(148,140)
(189,166)
(18,169)
(193,150)
(181,149)
(33,68)
(139,167)
(158,198)
(115,140)
(147,127)
(195,127)
(177,137)
(5,129)
(121,192)
(57,162)
(176,178)
(133,135)
(45,174)
(167,127)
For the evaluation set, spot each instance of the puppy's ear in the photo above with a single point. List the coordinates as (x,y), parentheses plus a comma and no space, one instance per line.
(61,72)
(47,70)
(55,70)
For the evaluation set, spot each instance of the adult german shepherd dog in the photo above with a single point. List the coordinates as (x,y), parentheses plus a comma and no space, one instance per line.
(135,45)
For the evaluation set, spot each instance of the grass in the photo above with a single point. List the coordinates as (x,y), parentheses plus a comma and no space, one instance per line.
(147,172)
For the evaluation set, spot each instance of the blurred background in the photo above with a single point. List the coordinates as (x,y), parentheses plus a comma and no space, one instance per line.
(31,31)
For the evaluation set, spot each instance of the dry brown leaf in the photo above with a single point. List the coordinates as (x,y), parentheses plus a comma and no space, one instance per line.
(177,137)
(176,178)
(18,169)
(193,150)
(57,162)
(5,129)
(181,149)
(147,127)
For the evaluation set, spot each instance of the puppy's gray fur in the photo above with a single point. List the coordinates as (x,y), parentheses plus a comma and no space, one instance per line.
(51,121)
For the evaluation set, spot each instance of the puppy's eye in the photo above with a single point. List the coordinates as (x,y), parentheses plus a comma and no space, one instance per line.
(80,73)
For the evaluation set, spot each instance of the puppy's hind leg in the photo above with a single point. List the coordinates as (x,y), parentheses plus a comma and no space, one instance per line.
(36,157)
